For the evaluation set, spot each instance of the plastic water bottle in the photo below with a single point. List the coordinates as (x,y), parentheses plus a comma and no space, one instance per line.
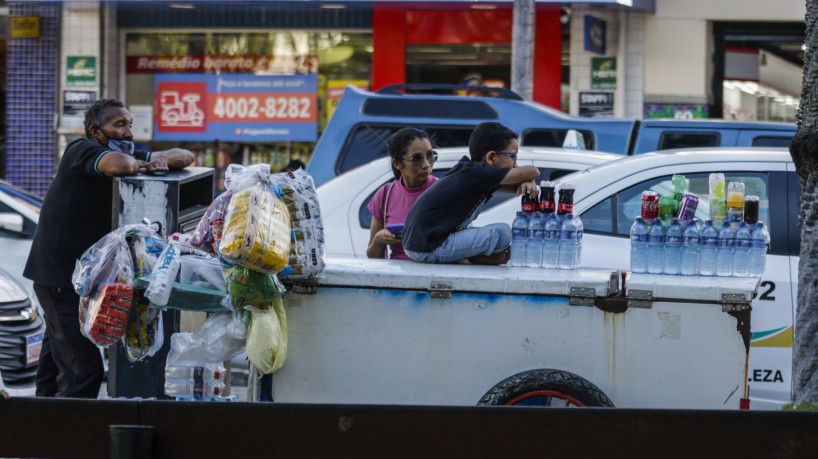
(758,251)
(707,249)
(568,241)
(724,251)
(656,247)
(673,248)
(741,250)
(194,381)
(536,236)
(639,246)
(690,249)
(551,247)
(519,238)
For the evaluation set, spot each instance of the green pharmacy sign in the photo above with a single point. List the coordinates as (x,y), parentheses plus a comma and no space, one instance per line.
(81,71)
(603,73)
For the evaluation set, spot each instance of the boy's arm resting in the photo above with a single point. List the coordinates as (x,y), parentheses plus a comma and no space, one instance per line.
(520,180)
(175,158)
(520,174)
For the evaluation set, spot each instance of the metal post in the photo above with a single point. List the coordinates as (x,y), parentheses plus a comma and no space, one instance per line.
(522,49)
(131,441)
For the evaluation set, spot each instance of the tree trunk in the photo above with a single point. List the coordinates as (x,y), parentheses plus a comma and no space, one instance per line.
(804,151)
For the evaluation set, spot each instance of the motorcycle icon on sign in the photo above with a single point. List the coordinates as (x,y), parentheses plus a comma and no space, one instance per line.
(181,111)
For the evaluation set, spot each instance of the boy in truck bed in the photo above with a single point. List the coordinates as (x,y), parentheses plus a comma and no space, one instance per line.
(438,230)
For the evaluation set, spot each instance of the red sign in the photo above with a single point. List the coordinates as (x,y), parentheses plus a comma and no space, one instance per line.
(181,106)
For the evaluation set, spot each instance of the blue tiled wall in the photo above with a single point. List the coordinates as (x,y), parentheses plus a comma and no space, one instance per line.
(31,99)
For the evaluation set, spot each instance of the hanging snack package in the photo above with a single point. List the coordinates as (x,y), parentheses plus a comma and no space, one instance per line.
(144,334)
(306,259)
(250,288)
(257,227)
(104,278)
(267,337)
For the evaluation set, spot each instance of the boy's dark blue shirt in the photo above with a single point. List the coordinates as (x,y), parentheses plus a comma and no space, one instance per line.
(450,204)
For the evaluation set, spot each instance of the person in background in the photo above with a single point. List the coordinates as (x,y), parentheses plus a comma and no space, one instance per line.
(293,166)
(438,227)
(76,213)
(412,162)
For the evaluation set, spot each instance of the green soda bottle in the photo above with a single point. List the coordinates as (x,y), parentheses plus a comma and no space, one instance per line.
(666,209)
(679,183)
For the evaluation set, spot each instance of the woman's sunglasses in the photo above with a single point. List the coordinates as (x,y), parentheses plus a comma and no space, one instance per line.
(418,158)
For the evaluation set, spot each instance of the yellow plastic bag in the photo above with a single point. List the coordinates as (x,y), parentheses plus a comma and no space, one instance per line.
(257,230)
(267,337)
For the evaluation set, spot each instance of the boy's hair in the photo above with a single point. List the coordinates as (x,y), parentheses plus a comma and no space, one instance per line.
(95,114)
(488,137)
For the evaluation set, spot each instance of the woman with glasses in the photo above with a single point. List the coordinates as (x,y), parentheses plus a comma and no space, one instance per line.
(412,162)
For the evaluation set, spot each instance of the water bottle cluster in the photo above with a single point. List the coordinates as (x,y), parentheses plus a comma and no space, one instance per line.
(195,381)
(731,243)
(546,234)
(686,249)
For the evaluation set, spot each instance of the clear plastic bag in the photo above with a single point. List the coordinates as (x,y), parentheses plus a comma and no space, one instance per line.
(209,231)
(257,226)
(220,338)
(250,288)
(267,337)
(163,276)
(144,335)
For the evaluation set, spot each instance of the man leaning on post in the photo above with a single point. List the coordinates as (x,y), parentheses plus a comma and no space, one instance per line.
(76,213)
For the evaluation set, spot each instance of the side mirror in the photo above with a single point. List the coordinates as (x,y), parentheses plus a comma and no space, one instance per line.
(11,221)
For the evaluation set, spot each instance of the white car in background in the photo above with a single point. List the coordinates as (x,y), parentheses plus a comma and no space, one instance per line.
(608,198)
(344,199)
(21,322)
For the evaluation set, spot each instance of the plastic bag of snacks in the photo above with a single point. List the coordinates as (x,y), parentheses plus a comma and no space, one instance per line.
(250,288)
(257,226)
(306,259)
(104,277)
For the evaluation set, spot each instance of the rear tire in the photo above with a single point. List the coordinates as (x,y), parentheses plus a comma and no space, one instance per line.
(544,387)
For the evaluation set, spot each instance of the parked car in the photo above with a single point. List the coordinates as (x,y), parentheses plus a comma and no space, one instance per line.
(608,198)
(21,336)
(21,322)
(344,200)
(360,128)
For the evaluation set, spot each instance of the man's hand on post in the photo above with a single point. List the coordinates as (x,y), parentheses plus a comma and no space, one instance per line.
(154,166)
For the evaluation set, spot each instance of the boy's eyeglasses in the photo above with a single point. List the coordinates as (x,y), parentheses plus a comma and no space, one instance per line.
(511,154)
(418,158)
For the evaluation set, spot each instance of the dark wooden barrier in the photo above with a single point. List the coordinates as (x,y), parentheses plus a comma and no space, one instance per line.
(72,428)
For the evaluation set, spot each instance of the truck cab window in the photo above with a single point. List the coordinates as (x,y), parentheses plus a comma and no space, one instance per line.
(671,140)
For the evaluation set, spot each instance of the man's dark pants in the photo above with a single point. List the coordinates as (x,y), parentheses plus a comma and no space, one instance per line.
(70,364)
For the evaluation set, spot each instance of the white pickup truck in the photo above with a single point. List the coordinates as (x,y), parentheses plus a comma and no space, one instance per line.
(396,332)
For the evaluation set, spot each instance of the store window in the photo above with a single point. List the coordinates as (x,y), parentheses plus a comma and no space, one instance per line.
(241,97)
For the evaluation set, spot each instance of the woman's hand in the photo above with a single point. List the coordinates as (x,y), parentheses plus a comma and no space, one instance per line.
(385,237)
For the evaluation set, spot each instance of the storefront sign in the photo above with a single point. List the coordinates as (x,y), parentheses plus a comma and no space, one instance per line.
(595,35)
(596,104)
(142,122)
(81,71)
(285,64)
(677,111)
(336,88)
(74,103)
(248,108)
(25,26)
(603,73)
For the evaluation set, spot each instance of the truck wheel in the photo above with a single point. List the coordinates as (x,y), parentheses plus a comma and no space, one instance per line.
(552,388)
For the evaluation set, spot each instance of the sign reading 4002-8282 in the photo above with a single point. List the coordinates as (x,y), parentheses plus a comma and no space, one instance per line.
(236,107)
